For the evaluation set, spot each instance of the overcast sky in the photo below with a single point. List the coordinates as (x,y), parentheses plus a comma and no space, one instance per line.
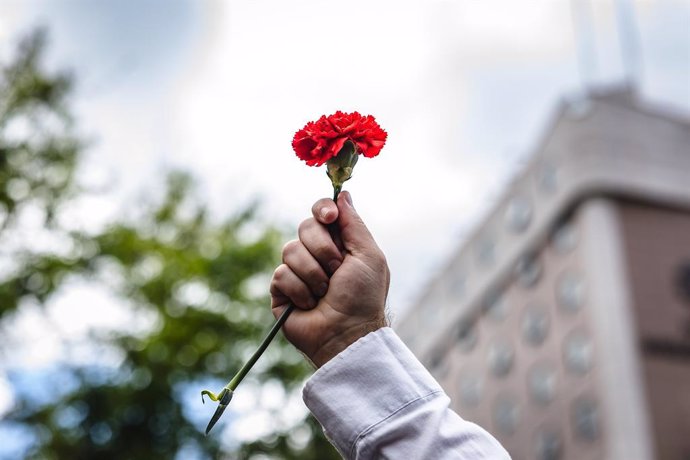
(219,88)
(463,87)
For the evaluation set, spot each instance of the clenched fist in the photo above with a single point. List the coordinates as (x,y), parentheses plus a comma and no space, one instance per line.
(336,276)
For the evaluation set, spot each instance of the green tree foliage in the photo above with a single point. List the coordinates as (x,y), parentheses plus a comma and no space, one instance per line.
(187,279)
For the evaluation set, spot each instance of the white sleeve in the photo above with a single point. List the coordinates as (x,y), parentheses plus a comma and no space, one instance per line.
(375,400)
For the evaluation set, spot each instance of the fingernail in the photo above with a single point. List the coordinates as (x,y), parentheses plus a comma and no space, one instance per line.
(333,265)
(348,198)
(322,290)
(324,212)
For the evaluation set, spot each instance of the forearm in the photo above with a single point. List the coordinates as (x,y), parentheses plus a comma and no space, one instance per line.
(375,400)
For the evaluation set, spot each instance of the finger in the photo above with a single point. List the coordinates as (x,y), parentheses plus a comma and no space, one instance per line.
(320,244)
(325,211)
(303,264)
(287,285)
(278,305)
(278,298)
(355,235)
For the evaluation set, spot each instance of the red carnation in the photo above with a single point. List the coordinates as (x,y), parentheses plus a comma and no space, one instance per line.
(323,139)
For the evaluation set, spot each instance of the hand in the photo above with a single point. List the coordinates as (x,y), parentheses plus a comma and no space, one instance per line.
(336,276)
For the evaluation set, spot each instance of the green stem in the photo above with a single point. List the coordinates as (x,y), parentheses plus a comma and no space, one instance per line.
(257,354)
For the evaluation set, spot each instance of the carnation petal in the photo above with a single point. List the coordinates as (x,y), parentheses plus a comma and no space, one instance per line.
(322,139)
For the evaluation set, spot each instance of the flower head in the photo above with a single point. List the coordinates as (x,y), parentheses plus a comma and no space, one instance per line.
(323,139)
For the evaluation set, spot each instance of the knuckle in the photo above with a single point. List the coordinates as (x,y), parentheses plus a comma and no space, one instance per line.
(290,247)
(305,226)
(279,273)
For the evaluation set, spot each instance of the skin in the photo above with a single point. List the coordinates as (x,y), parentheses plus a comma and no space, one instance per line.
(336,276)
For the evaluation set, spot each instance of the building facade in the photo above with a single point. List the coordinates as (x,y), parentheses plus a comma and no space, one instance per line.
(562,324)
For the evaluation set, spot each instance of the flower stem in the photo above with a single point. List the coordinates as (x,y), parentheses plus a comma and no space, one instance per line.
(257,354)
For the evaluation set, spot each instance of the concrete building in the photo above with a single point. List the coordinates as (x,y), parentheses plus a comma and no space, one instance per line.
(562,324)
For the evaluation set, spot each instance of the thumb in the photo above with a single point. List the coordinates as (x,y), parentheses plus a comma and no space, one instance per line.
(355,235)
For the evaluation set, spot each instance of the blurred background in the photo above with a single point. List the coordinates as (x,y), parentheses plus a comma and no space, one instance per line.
(147,184)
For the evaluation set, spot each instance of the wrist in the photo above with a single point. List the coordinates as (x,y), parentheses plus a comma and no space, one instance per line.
(343,340)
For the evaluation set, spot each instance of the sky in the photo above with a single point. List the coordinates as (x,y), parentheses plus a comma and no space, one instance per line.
(464,89)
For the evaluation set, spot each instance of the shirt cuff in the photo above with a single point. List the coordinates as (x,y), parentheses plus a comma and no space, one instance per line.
(363,385)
